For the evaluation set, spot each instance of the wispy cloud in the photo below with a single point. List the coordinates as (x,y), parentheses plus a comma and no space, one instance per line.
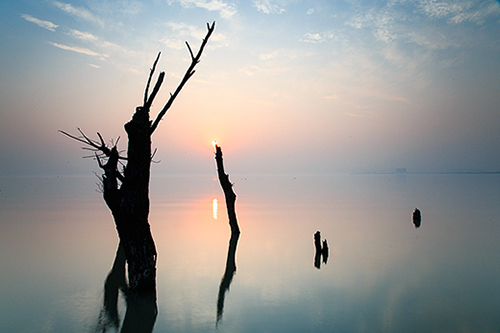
(77,49)
(184,31)
(459,11)
(121,7)
(318,37)
(477,16)
(442,9)
(44,24)
(226,10)
(181,32)
(82,35)
(394,22)
(267,7)
(78,12)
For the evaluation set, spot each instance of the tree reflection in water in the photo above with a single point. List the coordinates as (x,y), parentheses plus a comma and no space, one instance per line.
(227,278)
(142,309)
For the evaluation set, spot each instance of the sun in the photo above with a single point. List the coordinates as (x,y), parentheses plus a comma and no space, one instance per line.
(214,143)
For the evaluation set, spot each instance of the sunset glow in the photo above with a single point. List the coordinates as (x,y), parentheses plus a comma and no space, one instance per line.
(314,87)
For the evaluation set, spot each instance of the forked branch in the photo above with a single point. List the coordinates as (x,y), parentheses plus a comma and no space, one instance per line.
(189,72)
(96,146)
(149,79)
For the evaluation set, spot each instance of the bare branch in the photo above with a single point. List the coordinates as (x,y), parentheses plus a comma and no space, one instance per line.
(189,72)
(90,141)
(99,161)
(91,149)
(100,138)
(74,137)
(95,145)
(190,51)
(153,155)
(150,77)
(156,89)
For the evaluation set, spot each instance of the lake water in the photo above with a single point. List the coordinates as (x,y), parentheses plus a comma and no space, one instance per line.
(58,244)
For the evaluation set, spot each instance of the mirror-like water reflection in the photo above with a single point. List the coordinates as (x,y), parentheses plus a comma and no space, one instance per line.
(58,245)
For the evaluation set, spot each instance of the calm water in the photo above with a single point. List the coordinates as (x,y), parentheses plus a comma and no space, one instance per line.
(58,243)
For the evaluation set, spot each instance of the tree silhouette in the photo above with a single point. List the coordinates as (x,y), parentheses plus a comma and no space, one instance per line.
(230,197)
(126,191)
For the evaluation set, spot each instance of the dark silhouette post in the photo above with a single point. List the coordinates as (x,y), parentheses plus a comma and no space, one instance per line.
(126,191)
(416,217)
(320,251)
(229,194)
(230,197)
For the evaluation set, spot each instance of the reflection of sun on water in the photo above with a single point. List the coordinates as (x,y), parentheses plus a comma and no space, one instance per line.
(214,208)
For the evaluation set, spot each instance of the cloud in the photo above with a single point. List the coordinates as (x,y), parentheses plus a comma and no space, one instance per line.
(121,7)
(267,7)
(78,12)
(77,49)
(440,9)
(184,31)
(310,11)
(317,37)
(478,16)
(226,10)
(44,24)
(459,11)
(82,35)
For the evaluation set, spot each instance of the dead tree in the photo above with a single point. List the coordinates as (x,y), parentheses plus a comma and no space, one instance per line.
(229,194)
(230,197)
(126,191)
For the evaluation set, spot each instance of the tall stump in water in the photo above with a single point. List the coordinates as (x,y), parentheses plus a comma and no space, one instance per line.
(230,198)
(126,192)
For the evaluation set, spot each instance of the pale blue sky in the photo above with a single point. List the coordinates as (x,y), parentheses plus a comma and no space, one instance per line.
(284,86)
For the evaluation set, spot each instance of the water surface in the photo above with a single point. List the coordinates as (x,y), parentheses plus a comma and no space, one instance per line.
(58,243)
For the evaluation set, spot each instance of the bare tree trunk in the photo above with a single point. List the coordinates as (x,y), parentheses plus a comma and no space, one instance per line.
(127,193)
(230,197)
(133,211)
(229,194)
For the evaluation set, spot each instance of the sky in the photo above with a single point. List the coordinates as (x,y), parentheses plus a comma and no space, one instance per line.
(285,87)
